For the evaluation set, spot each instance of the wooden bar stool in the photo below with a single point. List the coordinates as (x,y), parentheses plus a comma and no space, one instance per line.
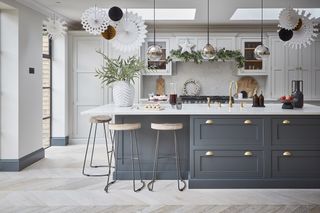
(167,127)
(100,119)
(133,136)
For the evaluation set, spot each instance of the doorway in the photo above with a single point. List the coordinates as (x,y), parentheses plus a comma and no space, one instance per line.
(46,91)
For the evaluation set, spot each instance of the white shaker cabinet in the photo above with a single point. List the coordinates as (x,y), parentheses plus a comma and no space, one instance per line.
(315,59)
(289,64)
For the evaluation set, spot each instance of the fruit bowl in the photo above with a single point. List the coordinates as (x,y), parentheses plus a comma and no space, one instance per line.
(287,102)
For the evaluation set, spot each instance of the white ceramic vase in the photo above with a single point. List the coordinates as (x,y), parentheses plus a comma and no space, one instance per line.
(123,94)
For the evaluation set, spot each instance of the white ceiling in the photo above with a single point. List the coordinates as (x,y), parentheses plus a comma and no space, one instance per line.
(221,10)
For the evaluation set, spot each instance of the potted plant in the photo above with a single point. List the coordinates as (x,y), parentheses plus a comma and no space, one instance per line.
(120,73)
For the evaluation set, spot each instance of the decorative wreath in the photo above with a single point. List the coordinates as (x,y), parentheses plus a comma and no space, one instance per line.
(131,33)
(191,87)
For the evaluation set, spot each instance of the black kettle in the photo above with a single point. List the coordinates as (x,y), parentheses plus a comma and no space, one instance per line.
(297,93)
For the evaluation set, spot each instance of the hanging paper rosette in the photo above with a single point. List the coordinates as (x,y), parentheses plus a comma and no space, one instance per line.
(306,34)
(95,20)
(55,27)
(131,33)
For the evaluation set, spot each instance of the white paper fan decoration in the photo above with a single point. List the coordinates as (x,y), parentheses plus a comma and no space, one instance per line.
(131,33)
(95,20)
(288,18)
(55,27)
(306,34)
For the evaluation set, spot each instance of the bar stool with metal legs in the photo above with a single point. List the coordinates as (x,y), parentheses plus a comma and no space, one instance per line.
(101,119)
(167,127)
(133,137)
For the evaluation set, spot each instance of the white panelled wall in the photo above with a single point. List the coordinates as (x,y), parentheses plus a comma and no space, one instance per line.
(86,90)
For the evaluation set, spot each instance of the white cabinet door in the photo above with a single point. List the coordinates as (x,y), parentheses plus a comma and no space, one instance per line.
(306,71)
(87,90)
(278,78)
(316,69)
(292,67)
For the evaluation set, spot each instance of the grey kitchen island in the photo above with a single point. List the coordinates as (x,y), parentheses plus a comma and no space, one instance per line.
(222,147)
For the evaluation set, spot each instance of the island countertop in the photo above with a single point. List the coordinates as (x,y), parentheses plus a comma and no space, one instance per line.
(203,109)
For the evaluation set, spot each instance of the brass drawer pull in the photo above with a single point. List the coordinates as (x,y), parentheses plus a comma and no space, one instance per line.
(209,122)
(286,122)
(286,153)
(247,122)
(248,153)
(209,153)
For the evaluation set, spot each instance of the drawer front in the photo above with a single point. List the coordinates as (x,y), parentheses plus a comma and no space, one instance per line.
(296,131)
(228,132)
(296,164)
(228,164)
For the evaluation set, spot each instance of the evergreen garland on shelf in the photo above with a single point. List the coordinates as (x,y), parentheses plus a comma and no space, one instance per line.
(195,56)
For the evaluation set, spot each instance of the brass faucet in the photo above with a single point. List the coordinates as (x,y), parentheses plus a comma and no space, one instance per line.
(231,85)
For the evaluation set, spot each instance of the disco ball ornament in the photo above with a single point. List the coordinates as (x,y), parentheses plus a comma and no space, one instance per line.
(154,53)
(115,13)
(285,35)
(261,52)
(208,52)
(288,18)
(109,33)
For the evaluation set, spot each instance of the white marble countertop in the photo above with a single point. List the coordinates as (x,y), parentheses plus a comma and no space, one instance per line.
(202,109)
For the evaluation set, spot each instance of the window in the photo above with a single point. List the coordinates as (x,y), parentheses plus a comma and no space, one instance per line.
(46,91)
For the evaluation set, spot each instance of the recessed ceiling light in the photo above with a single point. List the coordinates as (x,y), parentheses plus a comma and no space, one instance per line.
(166,14)
(254,14)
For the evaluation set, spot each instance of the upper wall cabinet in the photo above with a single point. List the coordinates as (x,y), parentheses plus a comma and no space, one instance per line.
(159,67)
(252,66)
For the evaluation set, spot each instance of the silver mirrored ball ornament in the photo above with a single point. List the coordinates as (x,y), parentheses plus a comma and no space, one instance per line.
(208,52)
(261,52)
(154,53)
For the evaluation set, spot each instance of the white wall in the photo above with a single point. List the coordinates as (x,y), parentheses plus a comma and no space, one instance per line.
(21,92)
(60,87)
(9,84)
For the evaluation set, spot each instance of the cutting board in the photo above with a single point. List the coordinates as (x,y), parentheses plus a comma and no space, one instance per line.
(248,84)
(160,86)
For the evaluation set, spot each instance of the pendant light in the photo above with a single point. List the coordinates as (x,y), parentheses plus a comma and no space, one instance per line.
(154,52)
(208,52)
(261,51)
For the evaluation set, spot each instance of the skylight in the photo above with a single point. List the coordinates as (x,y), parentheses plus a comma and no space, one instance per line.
(166,14)
(268,13)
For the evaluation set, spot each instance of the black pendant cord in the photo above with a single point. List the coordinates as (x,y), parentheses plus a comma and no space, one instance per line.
(208,23)
(154,22)
(261,22)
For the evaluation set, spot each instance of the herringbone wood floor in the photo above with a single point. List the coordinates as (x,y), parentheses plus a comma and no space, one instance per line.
(55,184)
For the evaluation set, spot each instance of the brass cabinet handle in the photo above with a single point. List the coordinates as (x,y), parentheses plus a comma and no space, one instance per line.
(248,153)
(286,153)
(247,122)
(286,122)
(209,122)
(209,153)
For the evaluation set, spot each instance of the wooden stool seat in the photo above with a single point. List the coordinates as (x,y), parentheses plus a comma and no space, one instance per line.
(100,119)
(125,127)
(167,126)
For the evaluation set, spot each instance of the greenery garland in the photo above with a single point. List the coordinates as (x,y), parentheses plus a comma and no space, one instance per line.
(196,57)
